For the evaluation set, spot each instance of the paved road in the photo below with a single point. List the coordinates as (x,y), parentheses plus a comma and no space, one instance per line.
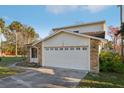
(44,78)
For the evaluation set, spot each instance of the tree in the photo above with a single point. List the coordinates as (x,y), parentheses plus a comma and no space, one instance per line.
(17,34)
(122,42)
(29,34)
(2,25)
(122,30)
(32,35)
(114,33)
(17,27)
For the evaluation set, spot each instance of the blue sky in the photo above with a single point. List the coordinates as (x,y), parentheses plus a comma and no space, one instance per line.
(44,18)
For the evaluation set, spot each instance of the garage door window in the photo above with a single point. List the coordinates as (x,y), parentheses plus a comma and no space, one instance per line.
(78,48)
(66,48)
(61,48)
(71,48)
(56,48)
(84,48)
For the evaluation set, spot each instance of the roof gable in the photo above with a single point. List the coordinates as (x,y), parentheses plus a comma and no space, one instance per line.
(76,34)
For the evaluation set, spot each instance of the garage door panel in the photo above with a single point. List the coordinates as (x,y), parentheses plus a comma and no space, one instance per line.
(73,59)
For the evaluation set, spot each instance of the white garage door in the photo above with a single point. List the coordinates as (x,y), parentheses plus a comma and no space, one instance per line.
(67,57)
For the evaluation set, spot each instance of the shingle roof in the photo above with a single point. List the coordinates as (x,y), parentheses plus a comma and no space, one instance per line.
(100,34)
(30,44)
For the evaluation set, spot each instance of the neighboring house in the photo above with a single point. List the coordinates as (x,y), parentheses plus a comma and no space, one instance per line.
(72,47)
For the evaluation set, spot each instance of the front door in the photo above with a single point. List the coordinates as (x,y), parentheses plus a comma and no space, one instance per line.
(33,56)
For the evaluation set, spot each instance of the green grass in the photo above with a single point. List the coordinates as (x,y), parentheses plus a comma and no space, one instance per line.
(103,80)
(11,59)
(6,61)
(5,72)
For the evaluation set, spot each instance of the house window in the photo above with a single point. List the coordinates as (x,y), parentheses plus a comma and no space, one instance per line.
(71,48)
(76,31)
(66,48)
(34,52)
(78,48)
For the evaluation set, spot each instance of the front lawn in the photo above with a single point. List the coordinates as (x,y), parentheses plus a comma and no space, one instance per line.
(5,72)
(103,80)
(6,61)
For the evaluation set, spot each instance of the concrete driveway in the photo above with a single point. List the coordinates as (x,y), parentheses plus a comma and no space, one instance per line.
(44,78)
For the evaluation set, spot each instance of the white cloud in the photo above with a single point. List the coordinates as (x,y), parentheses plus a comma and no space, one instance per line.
(95,8)
(58,9)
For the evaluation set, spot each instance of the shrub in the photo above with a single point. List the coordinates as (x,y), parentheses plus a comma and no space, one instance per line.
(26,64)
(111,62)
(118,67)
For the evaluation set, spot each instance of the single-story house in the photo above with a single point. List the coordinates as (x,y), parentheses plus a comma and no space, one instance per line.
(67,49)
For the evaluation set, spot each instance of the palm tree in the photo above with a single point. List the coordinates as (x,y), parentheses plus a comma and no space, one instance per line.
(2,25)
(30,34)
(16,27)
